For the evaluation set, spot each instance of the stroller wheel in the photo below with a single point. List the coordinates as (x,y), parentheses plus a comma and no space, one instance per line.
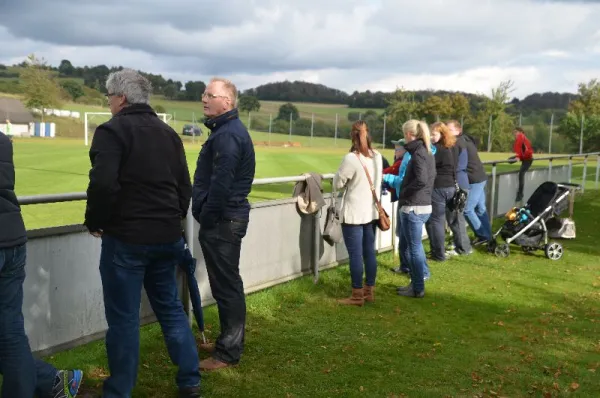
(502,250)
(554,250)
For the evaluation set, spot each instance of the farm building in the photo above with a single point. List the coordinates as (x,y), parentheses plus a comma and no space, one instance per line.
(19,117)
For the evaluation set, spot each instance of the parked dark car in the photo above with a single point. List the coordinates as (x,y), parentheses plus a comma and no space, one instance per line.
(192,130)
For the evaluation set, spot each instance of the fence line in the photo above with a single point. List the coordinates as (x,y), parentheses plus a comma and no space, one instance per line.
(58,256)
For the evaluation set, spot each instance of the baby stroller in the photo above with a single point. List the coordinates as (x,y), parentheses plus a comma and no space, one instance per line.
(531,225)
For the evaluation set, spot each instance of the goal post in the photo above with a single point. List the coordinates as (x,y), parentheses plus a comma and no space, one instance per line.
(102,117)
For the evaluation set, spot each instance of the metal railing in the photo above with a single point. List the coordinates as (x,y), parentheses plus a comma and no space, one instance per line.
(315,236)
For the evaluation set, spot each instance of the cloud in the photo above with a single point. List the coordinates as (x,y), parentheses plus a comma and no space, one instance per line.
(348,44)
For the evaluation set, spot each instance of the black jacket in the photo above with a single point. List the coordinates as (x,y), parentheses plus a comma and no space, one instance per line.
(446,162)
(140,186)
(417,184)
(224,172)
(475,169)
(12,228)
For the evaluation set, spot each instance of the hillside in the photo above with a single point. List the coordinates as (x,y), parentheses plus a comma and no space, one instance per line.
(79,79)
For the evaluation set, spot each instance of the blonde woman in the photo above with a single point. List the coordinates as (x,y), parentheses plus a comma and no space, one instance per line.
(359,212)
(415,201)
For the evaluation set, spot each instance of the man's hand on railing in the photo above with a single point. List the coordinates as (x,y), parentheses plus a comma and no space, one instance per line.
(512,159)
(97,234)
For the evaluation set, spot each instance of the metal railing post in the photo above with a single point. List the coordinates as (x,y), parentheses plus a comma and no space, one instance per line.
(570,168)
(316,246)
(597,170)
(492,212)
(585,158)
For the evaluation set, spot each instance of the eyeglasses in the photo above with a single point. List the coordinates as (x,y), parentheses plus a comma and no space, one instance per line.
(213,96)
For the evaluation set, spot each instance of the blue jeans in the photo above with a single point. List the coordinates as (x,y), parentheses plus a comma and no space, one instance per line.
(476,212)
(23,375)
(124,268)
(360,242)
(404,264)
(412,228)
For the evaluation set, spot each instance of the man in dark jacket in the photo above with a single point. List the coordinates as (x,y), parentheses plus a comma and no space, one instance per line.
(222,182)
(475,209)
(23,375)
(138,194)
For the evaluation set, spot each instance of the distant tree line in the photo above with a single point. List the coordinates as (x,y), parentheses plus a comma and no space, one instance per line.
(298,91)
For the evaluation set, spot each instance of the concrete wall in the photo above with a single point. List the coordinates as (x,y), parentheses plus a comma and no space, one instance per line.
(63,303)
(64,306)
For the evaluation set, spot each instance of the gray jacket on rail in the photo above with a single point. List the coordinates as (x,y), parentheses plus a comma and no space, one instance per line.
(309,194)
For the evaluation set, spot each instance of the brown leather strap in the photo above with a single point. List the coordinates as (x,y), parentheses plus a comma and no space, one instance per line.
(379,208)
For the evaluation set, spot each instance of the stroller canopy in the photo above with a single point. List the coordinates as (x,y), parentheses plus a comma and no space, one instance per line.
(545,195)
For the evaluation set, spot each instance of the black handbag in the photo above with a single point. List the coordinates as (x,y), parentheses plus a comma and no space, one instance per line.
(332,233)
(459,200)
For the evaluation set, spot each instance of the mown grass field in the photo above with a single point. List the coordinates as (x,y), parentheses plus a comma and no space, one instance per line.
(522,326)
(62,165)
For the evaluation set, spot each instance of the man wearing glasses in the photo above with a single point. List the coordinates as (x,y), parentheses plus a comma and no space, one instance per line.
(222,182)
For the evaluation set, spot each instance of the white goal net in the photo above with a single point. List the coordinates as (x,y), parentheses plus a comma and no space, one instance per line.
(94,119)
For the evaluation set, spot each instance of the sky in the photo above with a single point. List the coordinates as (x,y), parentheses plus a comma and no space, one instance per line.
(456,45)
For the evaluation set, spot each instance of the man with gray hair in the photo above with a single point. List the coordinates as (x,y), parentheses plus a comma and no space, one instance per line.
(222,182)
(138,194)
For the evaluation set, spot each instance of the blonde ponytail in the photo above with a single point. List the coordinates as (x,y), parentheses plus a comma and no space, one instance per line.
(425,135)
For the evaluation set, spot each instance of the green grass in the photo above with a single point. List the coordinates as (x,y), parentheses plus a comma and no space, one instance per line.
(62,165)
(515,327)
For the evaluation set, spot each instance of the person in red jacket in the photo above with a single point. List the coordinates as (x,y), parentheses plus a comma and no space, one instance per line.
(524,153)
(399,152)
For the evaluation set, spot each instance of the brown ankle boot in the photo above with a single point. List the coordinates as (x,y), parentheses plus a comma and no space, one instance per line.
(356,298)
(369,293)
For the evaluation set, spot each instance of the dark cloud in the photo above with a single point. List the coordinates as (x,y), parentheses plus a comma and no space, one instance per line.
(358,40)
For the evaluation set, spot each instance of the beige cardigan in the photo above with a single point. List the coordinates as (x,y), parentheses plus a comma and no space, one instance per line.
(358,206)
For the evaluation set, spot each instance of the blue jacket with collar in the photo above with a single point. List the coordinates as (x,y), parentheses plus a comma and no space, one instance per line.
(224,172)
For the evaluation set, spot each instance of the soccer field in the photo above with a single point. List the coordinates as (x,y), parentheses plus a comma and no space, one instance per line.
(62,165)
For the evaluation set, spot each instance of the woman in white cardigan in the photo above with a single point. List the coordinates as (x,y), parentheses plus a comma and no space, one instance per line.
(359,212)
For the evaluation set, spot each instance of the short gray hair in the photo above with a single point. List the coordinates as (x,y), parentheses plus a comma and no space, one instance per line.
(131,84)
(229,86)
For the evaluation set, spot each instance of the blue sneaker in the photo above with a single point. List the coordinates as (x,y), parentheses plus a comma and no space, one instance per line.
(67,383)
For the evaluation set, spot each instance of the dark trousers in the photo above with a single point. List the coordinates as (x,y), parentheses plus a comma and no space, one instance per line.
(124,268)
(221,245)
(23,376)
(436,224)
(525,165)
(360,242)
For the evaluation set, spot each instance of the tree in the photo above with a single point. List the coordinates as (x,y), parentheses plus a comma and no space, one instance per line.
(248,103)
(584,112)
(194,90)
(171,91)
(588,102)
(66,68)
(434,108)
(73,88)
(160,109)
(39,89)
(460,106)
(402,106)
(286,109)
(502,123)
